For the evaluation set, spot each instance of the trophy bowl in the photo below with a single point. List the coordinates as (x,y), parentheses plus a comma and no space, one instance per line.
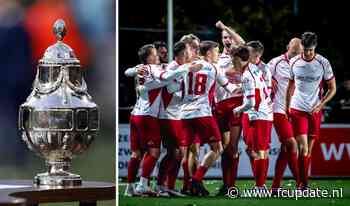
(59,120)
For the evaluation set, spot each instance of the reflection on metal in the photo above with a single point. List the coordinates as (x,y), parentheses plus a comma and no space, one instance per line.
(170,29)
(59,119)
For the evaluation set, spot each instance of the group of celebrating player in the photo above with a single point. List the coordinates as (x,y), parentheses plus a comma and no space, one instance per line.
(203,97)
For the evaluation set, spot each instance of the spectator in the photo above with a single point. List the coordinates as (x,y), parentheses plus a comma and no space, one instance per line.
(162,51)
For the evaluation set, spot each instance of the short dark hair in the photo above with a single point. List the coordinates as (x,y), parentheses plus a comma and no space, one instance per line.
(158,44)
(241,52)
(179,48)
(309,39)
(144,52)
(205,46)
(257,46)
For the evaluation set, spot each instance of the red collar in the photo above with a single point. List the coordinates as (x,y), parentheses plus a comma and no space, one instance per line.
(286,57)
(258,62)
(245,67)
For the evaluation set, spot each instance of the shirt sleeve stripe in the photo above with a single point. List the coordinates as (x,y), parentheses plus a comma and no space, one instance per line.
(225,84)
(161,75)
(330,78)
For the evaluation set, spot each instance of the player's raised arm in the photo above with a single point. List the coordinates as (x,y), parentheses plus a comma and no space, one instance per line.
(236,37)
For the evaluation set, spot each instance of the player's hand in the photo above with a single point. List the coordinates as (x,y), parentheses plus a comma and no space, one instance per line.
(141,89)
(220,25)
(195,67)
(238,89)
(142,70)
(317,108)
(236,113)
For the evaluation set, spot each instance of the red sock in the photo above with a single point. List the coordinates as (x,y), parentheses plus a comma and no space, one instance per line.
(173,172)
(303,169)
(163,167)
(306,170)
(225,167)
(233,172)
(260,165)
(293,166)
(186,179)
(281,165)
(133,168)
(194,167)
(200,173)
(266,168)
(149,162)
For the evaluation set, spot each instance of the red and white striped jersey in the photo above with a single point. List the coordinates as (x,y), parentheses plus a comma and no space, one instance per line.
(199,90)
(155,77)
(171,100)
(266,74)
(280,70)
(224,64)
(148,102)
(254,86)
(308,77)
(225,61)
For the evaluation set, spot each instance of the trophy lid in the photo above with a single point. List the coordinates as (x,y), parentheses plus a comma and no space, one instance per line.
(59,53)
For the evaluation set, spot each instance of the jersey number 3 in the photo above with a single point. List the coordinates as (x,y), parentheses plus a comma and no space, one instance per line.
(200,80)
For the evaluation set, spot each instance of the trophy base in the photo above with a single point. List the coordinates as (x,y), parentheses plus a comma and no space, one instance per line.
(46,179)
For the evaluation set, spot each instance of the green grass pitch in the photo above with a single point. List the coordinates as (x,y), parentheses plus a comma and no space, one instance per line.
(213,185)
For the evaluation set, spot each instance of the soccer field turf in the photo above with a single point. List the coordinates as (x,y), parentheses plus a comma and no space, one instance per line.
(213,185)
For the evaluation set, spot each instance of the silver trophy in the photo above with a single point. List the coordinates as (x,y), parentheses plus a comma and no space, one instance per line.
(59,119)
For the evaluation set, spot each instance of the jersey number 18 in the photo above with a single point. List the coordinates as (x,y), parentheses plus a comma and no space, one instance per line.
(199,81)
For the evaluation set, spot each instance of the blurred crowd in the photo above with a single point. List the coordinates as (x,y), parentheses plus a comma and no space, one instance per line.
(26,32)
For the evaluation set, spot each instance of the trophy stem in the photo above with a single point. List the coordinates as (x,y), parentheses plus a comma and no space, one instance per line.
(59,168)
(57,175)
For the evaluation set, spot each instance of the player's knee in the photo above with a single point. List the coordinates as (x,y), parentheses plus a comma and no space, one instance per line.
(217,148)
(303,149)
(235,150)
(261,154)
(194,150)
(225,140)
(155,153)
(291,145)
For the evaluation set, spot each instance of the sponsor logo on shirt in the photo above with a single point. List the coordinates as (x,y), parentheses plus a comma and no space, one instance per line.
(308,78)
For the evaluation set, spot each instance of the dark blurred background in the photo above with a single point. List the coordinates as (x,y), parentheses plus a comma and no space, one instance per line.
(273,22)
(25,33)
